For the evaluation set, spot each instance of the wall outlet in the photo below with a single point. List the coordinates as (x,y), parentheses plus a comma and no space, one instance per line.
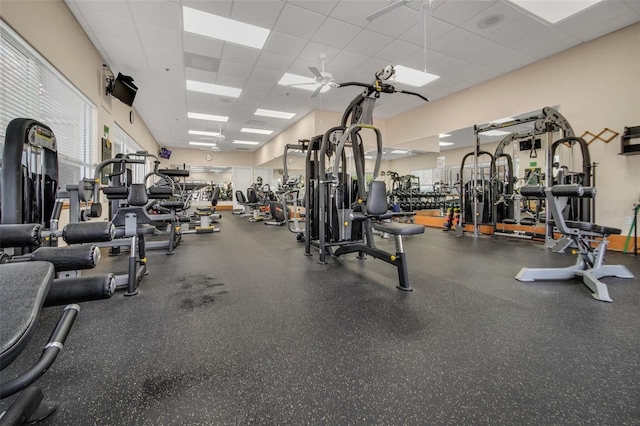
(628,220)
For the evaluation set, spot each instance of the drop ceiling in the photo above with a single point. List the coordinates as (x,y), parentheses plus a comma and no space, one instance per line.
(467,42)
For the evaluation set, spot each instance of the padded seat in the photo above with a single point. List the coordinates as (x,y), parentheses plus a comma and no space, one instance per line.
(178,205)
(394,228)
(592,227)
(142,229)
(23,289)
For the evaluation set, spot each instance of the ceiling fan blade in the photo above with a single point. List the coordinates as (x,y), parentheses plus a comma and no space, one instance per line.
(375,15)
(301,84)
(315,72)
(315,93)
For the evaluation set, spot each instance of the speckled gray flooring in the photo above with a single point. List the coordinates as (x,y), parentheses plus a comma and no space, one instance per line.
(239,327)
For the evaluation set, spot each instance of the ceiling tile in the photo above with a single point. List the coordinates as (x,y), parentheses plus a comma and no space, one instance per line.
(284,44)
(313,51)
(435,30)
(456,12)
(260,13)
(241,72)
(368,43)
(417,61)
(292,16)
(355,11)
(593,16)
(396,22)
(507,11)
(142,38)
(347,60)
(200,75)
(323,7)
(204,46)
(105,6)
(634,4)
(453,41)
(198,102)
(369,68)
(266,75)
(611,25)
(274,61)
(165,14)
(124,47)
(160,36)
(449,67)
(545,43)
(477,50)
(334,33)
(240,54)
(104,23)
(517,29)
(257,86)
(505,60)
(217,7)
(160,58)
(233,80)
(398,50)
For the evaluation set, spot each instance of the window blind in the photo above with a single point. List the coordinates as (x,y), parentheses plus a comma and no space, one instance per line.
(30,87)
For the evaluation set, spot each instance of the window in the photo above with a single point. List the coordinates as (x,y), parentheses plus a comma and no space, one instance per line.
(30,87)
(124,144)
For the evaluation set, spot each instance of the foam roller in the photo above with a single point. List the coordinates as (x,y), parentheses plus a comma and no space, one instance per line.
(69,258)
(20,235)
(88,232)
(532,191)
(80,289)
(589,192)
(567,190)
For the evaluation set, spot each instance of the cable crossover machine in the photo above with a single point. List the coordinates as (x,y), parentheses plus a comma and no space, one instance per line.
(342,211)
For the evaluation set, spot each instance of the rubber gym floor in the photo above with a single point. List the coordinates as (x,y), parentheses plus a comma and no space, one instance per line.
(239,327)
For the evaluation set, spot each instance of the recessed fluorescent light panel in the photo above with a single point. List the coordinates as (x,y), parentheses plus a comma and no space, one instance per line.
(444,135)
(246,142)
(274,114)
(202,133)
(256,131)
(301,82)
(213,89)
(399,151)
(203,143)
(209,117)
(494,133)
(213,26)
(555,11)
(445,143)
(413,77)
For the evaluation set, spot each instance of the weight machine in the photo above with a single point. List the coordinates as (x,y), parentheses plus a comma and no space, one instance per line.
(341,213)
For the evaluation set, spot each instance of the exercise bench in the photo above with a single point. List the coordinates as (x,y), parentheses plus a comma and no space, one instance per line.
(590,241)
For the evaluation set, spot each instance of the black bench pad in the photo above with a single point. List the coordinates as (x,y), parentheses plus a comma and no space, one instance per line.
(23,289)
(398,228)
(172,205)
(590,227)
(142,229)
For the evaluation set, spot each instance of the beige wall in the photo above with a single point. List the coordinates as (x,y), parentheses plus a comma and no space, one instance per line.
(197,157)
(72,53)
(596,85)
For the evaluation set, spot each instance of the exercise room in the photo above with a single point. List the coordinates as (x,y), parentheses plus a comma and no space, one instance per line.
(333,212)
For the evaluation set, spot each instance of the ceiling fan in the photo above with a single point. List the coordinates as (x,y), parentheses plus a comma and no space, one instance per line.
(388,8)
(322,78)
(214,140)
